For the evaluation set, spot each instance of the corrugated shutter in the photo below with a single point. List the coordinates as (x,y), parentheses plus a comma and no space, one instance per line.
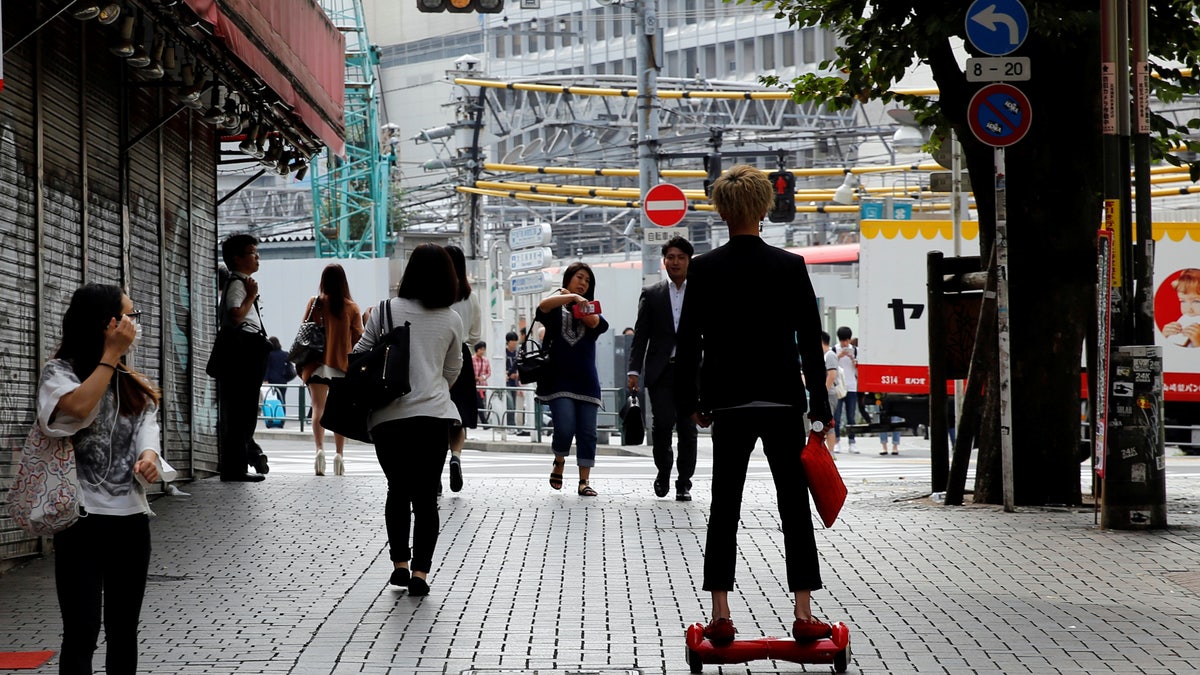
(177,297)
(170,243)
(18,354)
(204,298)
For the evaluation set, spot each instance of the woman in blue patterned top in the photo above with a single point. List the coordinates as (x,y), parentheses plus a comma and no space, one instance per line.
(572,389)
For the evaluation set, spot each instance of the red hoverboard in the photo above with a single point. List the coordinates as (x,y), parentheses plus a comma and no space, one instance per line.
(834,649)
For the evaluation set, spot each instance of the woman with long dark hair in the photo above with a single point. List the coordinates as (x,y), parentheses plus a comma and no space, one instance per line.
(463,390)
(108,409)
(411,434)
(573,388)
(334,309)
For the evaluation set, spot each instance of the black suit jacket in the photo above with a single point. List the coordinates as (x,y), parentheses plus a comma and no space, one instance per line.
(653,334)
(749,317)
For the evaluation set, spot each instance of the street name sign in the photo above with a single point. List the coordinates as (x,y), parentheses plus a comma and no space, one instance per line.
(665,205)
(530,259)
(999,115)
(529,235)
(530,283)
(997,27)
(1004,69)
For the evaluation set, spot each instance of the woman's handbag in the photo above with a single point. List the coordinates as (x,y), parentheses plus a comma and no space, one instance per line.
(374,379)
(44,498)
(824,482)
(309,345)
(533,357)
(381,373)
(346,411)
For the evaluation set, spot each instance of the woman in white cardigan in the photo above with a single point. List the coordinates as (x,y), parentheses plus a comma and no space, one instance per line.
(411,434)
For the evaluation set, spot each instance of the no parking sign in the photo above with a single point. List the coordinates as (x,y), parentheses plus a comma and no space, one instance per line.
(999,115)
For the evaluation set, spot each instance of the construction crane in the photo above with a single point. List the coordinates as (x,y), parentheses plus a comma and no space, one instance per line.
(350,194)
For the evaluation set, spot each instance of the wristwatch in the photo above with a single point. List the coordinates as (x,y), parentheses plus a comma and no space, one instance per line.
(818,427)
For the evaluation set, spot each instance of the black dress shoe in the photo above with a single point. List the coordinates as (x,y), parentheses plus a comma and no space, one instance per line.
(683,495)
(244,478)
(418,586)
(661,485)
(260,465)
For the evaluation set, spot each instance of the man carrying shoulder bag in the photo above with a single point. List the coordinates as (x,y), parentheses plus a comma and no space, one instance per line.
(239,363)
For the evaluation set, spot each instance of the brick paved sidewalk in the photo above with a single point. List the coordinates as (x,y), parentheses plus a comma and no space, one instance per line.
(288,576)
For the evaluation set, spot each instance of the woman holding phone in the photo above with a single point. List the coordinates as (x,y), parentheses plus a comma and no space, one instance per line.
(572,388)
(109,410)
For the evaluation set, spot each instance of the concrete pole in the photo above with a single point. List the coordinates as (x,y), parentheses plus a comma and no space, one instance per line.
(647,109)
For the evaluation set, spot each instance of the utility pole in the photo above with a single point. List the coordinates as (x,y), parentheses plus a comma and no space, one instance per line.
(646,12)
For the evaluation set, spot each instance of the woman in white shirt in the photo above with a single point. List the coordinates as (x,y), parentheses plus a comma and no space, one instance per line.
(108,409)
(411,434)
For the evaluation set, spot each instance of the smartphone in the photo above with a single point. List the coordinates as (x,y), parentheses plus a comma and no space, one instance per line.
(582,309)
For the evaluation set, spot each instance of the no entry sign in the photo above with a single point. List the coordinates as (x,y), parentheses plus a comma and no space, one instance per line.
(665,205)
(999,115)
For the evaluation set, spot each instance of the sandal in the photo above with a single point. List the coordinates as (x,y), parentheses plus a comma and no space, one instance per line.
(556,476)
(586,490)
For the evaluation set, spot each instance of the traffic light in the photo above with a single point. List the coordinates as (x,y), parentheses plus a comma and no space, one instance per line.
(461,6)
(712,166)
(784,210)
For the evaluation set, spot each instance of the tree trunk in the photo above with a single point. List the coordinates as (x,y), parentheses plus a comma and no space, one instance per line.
(1053,178)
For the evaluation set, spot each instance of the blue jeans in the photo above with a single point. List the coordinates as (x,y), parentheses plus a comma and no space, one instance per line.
(850,405)
(895,433)
(574,419)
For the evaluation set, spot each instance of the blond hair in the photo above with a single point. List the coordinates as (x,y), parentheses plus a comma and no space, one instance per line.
(742,195)
(1188,282)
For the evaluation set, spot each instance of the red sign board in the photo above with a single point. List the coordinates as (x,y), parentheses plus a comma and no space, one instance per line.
(665,205)
(999,115)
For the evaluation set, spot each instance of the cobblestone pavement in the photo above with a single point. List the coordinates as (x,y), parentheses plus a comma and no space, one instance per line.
(289,576)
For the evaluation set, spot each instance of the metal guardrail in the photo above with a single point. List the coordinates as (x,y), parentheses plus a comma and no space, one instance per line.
(532,417)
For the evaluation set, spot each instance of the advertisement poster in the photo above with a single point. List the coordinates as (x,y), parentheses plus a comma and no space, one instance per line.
(1177,307)
(893,321)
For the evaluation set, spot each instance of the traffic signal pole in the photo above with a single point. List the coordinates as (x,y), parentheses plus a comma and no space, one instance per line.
(646,13)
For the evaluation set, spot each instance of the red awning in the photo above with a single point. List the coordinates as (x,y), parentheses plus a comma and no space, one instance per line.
(295,49)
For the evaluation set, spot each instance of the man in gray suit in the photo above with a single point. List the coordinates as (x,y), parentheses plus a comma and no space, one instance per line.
(653,355)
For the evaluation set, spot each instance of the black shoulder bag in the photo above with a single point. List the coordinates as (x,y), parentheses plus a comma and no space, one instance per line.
(374,379)
(533,357)
(235,349)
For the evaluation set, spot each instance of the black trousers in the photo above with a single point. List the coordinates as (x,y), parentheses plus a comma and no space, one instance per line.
(666,420)
(237,416)
(412,453)
(101,561)
(734,434)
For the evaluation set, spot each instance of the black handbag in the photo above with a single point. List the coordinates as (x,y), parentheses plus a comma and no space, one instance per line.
(533,357)
(633,427)
(381,373)
(309,345)
(374,379)
(346,411)
(236,350)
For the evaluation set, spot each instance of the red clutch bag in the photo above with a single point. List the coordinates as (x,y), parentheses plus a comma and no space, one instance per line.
(824,481)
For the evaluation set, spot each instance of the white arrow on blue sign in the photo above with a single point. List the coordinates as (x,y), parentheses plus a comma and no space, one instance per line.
(997,27)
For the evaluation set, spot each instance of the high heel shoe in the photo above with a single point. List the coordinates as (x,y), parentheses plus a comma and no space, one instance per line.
(319,465)
(339,465)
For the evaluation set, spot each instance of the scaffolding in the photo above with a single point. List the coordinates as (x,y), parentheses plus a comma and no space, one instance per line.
(350,194)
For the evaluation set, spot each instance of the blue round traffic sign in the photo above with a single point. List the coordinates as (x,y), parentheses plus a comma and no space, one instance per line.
(999,115)
(997,27)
